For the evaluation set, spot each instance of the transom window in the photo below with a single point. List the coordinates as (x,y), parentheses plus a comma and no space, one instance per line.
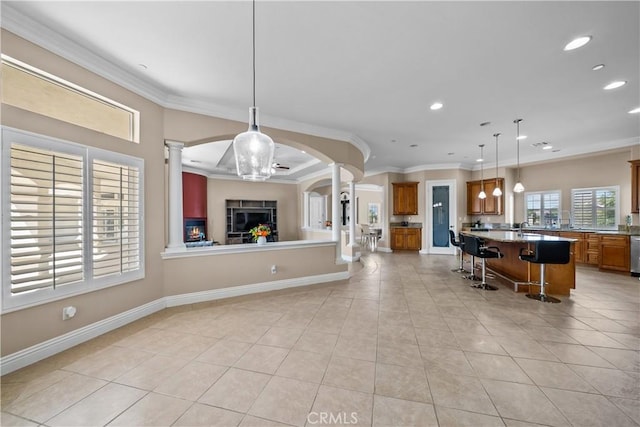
(596,208)
(72,219)
(542,208)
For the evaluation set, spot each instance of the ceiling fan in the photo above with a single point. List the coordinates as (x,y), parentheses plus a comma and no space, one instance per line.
(278,166)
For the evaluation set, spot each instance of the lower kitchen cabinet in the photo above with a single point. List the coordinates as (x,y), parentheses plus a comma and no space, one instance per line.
(403,238)
(614,253)
(592,252)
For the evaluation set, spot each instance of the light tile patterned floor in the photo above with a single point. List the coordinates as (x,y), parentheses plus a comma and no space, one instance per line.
(404,342)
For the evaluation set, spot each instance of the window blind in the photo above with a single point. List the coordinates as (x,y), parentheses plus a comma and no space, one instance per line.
(46,219)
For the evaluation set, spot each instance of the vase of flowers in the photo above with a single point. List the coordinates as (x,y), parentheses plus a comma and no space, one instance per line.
(260,233)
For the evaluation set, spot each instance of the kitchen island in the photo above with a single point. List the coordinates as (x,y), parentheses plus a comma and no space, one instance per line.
(560,278)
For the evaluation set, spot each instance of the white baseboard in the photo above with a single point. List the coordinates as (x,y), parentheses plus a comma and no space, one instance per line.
(35,353)
(384,249)
(27,356)
(234,291)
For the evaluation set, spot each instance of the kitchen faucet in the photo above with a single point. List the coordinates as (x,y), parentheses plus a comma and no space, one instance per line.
(522,224)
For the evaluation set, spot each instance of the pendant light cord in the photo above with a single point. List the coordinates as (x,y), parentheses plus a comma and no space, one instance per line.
(496,135)
(517,121)
(254,52)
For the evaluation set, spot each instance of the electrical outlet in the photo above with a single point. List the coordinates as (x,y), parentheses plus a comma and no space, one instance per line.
(68,312)
(274,269)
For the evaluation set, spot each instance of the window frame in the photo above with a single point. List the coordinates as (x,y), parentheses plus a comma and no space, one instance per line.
(542,194)
(595,226)
(12,302)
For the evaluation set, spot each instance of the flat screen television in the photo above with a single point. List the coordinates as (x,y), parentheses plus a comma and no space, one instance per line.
(246,220)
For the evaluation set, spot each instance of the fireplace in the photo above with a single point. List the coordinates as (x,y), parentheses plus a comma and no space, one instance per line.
(195,229)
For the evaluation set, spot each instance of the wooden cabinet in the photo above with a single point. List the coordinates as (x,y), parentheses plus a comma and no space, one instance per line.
(491,205)
(614,253)
(635,186)
(578,246)
(405,198)
(405,238)
(592,249)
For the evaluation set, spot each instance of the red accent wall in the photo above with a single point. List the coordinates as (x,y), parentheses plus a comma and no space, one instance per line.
(194,195)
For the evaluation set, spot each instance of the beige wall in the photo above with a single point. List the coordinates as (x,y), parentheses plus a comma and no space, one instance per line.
(219,190)
(30,326)
(601,170)
(364,198)
(209,272)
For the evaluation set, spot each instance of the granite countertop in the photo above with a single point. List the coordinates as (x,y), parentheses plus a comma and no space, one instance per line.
(410,225)
(512,236)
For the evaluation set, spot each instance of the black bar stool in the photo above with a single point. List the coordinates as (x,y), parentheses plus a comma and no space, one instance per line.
(458,244)
(475,247)
(546,252)
(472,274)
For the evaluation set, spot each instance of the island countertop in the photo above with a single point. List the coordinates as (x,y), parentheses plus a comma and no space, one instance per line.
(560,278)
(513,236)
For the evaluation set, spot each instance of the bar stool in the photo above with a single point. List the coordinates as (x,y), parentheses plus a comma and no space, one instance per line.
(546,252)
(472,273)
(458,244)
(475,246)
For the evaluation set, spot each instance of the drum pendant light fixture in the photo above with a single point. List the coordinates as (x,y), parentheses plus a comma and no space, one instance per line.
(253,149)
(497,192)
(482,194)
(518,188)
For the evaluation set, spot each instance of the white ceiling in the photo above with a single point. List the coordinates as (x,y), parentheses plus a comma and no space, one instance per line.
(368,71)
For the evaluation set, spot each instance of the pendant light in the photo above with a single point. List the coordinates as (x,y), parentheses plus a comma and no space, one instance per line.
(253,149)
(497,192)
(518,188)
(482,194)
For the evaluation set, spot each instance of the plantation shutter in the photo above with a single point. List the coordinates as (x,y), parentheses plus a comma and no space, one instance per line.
(582,206)
(46,219)
(116,218)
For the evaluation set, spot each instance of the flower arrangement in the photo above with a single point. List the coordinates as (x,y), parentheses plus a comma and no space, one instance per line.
(327,224)
(261,230)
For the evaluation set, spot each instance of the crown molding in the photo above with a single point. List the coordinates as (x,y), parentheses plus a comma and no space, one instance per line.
(43,36)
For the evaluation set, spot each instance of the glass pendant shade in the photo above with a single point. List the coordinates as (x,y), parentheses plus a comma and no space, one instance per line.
(254,151)
(518,188)
(497,192)
(482,195)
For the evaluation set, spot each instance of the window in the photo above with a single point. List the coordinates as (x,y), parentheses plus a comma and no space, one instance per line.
(31,89)
(542,208)
(73,219)
(596,208)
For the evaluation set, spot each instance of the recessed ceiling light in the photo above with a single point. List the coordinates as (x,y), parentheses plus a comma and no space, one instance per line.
(436,106)
(303,152)
(635,110)
(577,42)
(615,85)
(393,140)
(522,137)
(485,123)
(597,67)
(547,147)
(479,160)
(413,145)
(144,67)
(556,150)
(450,154)
(195,161)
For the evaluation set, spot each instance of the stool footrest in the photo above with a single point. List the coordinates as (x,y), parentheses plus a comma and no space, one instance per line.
(543,298)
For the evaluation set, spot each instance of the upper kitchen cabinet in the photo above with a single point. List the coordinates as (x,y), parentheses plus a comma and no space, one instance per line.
(635,186)
(492,205)
(405,198)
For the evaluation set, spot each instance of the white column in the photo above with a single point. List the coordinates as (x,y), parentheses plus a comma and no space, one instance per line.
(336,226)
(176,241)
(305,210)
(352,213)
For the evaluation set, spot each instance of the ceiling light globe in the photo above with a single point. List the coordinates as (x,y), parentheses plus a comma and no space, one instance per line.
(436,106)
(518,188)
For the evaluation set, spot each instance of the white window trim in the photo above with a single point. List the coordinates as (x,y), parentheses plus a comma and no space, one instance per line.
(616,188)
(542,193)
(9,302)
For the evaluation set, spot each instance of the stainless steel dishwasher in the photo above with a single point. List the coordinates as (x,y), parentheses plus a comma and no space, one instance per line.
(635,255)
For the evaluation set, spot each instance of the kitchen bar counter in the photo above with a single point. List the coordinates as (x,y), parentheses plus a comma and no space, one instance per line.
(560,278)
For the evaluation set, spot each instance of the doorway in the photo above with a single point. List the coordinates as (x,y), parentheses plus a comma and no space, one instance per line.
(441,216)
